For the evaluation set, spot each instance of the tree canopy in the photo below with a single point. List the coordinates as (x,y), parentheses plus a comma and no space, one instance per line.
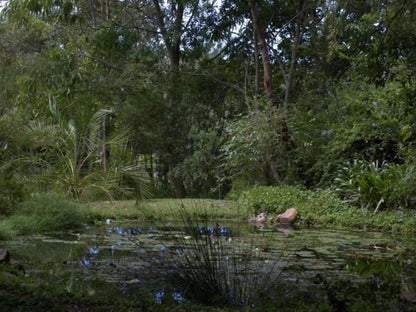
(201,97)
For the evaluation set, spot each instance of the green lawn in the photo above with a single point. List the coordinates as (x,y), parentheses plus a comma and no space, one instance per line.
(161,209)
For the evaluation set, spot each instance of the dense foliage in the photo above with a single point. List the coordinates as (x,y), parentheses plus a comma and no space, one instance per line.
(325,209)
(197,98)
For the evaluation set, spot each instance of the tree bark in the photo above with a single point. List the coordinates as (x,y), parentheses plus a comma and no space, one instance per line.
(289,78)
(267,70)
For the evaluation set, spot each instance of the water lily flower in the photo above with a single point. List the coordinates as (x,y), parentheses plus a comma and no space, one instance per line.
(178,297)
(93,251)
(85,261)
(159,296)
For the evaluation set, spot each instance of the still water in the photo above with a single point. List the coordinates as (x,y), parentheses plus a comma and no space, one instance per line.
(338,266)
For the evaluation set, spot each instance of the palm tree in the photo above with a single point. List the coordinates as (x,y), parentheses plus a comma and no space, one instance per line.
(78,162)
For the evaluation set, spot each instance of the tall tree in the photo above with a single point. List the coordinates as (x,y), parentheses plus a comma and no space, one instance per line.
(260,36)
(182,25)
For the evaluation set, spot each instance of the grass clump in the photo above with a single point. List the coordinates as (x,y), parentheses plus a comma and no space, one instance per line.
(210,267)
(42,213)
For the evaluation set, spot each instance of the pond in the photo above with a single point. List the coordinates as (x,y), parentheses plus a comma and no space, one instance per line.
(307,268)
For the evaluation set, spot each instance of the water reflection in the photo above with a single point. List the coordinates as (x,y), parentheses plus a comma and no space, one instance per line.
(214,231)
(202,230)
(286,228)
(129,253)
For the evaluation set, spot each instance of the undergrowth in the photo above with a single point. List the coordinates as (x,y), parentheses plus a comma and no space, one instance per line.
(42,213)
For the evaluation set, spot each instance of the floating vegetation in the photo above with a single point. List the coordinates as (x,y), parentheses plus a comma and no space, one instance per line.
(211,263)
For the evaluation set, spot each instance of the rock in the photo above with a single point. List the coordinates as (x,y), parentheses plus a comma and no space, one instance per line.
(288,217)
(261,218)
(4,256)
(409,296)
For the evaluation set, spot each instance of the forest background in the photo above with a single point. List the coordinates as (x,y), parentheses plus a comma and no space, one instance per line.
(187,98)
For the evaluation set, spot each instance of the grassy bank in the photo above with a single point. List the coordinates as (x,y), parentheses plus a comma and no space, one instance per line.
(325,210)
(51,212)
(320,210)
(161,209)
(42,213)
(48,213)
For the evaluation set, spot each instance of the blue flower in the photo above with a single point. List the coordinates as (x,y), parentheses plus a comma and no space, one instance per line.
(93,251)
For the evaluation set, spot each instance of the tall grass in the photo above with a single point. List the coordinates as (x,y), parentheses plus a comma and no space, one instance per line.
(211,267)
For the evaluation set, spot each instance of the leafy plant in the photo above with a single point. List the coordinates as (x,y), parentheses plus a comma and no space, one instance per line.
(319,208)
(273,199)
(377,186)
(200,170)
(78,162)
(12,188)
(254,150)
(42,213)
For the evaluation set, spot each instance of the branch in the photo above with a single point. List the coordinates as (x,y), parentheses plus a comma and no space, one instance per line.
(210,76)
(105,63)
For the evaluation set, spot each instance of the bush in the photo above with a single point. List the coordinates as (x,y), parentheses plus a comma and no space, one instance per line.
(322,208)
(377,186)
(237,188)
(43,213)
(53,212)
(12,190)
(254,149)
(273,199)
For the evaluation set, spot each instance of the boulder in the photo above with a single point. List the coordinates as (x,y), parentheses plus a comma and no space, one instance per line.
(409,296)
(4,256)
(288,217)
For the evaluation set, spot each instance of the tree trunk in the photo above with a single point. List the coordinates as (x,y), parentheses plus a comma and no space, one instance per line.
(267,70)
(172,42)
(289,78)
(256,68)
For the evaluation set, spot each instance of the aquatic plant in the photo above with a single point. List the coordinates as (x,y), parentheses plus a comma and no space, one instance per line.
(209,266)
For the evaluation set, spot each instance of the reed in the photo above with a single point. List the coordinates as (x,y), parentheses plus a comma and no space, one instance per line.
(210,266)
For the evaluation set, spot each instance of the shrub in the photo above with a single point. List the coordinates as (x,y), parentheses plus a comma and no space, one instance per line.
(377,186)
(273,199)
(53,212)
(12,190)
(237,188)
(254,149)
(315,208)
(43,213)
